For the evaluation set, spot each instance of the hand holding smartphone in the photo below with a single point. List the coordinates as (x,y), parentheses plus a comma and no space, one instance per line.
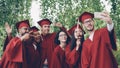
(103,16)
(98,15)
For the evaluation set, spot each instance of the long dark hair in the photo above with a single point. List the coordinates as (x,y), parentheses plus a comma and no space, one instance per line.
(56,41)
(73,42)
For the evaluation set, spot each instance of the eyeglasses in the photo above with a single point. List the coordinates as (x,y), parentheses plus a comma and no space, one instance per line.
(88,21)
(62,35)
(25,29)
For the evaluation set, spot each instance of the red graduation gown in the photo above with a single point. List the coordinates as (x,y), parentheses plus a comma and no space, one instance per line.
(47,47)
(98,53)
(12,57)
(58,58)
(73,58)
(7,40)
(32,56)
(20,55)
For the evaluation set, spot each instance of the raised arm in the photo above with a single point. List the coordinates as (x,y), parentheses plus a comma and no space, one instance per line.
(110,28)
(8,29)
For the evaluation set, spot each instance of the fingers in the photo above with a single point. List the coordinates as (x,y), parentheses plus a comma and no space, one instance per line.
(105,14)
(30,32)
(6,24)
(58,24)
(31,35)
(26,36)
(78,42)
(12,26)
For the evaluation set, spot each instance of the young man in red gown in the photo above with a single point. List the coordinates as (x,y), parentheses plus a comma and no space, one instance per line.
(13,56)
(97,48)
(47,44)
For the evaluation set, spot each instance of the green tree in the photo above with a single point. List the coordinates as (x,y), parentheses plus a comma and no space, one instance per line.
(12,11)
(116,19)
(67,12)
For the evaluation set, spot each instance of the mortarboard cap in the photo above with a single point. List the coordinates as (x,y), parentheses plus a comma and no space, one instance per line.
(44,21)
(24,23)
(34,29)
(71,30)
(85,15)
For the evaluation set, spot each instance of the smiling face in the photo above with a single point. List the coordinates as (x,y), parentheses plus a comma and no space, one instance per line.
(89,24)
(78,33)
(36,36)
(45,28)
(62,37)
(23,30)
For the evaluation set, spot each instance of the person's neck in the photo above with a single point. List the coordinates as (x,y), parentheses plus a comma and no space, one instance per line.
(18,35)
(91,32)
(62,45)
(44,34)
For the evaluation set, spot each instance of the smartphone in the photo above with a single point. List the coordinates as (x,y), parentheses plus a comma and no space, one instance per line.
(98,15)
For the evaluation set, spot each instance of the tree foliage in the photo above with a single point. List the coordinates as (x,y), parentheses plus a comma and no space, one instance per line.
(116,19)
(64,11)
(67,12)
(12,11)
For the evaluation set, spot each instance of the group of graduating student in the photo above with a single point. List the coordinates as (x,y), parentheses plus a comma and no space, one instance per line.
(64,49)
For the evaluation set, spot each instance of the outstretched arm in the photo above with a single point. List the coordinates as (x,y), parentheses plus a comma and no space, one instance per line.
(8,29)
(106,17)
(58,24)
(110,28)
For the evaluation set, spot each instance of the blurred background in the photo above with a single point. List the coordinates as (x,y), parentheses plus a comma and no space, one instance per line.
(64,11)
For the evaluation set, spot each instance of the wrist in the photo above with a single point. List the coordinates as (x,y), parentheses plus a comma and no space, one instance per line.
(110,21)
(9,34)
(22,38)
